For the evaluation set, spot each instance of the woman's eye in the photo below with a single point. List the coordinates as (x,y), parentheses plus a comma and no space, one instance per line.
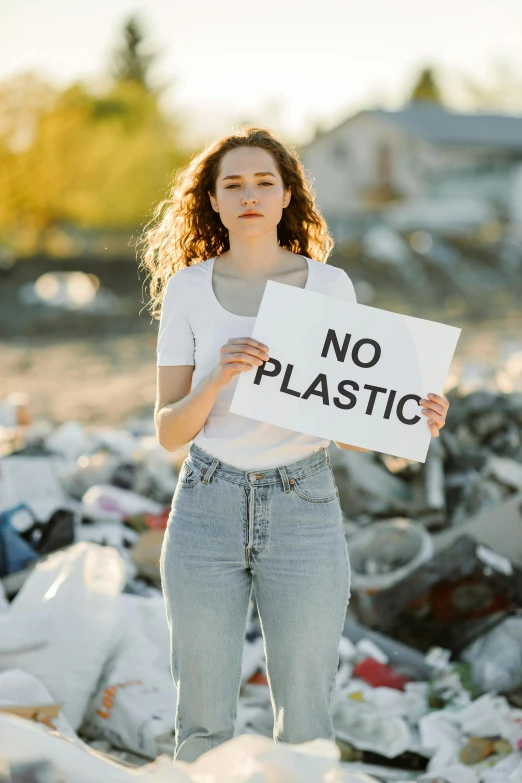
(235,186)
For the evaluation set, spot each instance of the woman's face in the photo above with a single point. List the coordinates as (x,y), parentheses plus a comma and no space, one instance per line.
(249,180)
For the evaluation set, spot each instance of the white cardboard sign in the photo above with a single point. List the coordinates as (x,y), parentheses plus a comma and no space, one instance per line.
(345,371)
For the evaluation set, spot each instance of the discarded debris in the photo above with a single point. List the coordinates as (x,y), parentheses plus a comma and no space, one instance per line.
(429,684)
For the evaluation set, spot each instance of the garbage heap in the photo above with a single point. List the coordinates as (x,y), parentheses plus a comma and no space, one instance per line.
(429,682)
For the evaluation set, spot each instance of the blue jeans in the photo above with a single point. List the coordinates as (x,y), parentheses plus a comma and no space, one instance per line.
(281,528)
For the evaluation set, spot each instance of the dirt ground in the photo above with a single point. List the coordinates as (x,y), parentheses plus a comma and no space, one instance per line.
(95,382)
(104,380)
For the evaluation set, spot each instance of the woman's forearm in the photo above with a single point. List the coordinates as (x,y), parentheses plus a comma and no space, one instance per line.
(348,447)
(177,423)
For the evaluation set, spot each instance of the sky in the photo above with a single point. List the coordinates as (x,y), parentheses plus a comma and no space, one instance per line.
(292,64)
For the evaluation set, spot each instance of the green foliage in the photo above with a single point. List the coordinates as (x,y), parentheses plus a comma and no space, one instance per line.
(426,88)
(131,62)
(447,687)
(79,159)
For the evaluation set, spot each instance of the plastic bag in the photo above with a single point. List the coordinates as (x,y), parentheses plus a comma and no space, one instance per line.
(135,702)
(496,657)
(78,589)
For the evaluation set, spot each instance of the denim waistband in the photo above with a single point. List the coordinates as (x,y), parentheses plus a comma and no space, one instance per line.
(285,473)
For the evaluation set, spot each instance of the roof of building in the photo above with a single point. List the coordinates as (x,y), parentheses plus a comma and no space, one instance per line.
(439,125)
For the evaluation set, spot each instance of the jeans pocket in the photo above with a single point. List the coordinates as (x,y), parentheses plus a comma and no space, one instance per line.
(189,474)
(317,487)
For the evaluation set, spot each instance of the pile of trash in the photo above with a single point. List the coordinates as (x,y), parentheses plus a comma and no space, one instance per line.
(415,252)
(429,683)
(475,463)
(425,537)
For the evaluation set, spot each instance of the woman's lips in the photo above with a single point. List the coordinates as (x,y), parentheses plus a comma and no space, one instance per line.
(250,216)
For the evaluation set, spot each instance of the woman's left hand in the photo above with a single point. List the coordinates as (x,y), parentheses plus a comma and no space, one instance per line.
(435,408)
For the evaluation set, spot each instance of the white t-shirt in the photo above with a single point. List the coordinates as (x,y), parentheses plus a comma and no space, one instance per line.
(193,327)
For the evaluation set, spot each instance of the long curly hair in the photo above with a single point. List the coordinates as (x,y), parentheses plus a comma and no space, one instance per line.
(185,230)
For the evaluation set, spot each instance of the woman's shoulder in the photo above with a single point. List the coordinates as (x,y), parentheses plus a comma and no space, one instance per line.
(189,275)
(332,280)
(327,271)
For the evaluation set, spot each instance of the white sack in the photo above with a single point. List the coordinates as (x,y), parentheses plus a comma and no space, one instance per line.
(135,702)
(20,689)
(78,590)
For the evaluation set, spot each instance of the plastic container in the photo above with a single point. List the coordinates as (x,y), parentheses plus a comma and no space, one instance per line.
(410,610)
(383,555)
(386,552)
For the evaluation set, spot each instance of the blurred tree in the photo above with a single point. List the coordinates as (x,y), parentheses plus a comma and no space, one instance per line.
(92,161)
(503,93)
(130,61)
(22,99)
(426,88)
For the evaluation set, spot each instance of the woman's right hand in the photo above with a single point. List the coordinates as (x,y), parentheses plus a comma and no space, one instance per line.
(239,354)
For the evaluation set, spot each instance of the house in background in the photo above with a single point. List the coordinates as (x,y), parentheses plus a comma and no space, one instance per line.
(379,158)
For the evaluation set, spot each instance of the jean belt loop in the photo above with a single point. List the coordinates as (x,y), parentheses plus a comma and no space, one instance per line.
(327,455)
(210,471)
(284,478)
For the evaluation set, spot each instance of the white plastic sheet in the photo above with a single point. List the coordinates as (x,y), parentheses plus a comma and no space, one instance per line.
(370,728)
(77,589)
(22,632)
(496,657)
(244,759)
(20,689)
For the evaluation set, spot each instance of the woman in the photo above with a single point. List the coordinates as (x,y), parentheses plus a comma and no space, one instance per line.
(254,503)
